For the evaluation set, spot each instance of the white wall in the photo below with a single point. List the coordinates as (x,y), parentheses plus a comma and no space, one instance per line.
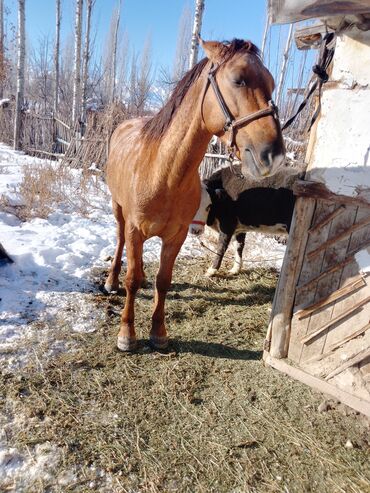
(340,155)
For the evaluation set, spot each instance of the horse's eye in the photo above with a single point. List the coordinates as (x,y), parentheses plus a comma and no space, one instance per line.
(240,82)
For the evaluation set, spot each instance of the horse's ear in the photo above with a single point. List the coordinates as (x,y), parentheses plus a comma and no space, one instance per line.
(213,49)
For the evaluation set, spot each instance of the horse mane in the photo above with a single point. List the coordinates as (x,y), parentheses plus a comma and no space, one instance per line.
(156,126)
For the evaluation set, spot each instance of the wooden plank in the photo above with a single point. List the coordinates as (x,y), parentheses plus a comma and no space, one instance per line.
(328,271)
(62,123)
(310,36)
(327,219)
(284,294)
(358,283)
(317,190)
(285,11)
(351,400)
(308,270)
(334,254)
(351,362)
(340,343)
(313,268)
(335,320)
(340,236)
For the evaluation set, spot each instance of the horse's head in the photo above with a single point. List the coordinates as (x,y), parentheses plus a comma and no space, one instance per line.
(237,105)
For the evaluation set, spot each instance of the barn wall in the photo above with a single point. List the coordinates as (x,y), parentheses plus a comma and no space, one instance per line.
(341,155)
(319,330)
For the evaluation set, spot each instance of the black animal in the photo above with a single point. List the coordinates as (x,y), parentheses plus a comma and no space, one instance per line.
(266,210)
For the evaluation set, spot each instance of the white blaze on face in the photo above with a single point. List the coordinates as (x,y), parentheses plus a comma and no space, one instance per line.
(197,225)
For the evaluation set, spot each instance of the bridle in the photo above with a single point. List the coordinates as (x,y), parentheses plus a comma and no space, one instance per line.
(231,124)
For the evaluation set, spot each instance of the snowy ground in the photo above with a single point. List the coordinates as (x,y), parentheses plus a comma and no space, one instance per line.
(54,272)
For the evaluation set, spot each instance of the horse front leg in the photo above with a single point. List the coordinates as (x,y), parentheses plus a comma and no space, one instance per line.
(170,249)
(126,340)
(238,259)
(223,243)
(112,283)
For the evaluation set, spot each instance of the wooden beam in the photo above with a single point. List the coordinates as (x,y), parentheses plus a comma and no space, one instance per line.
(338,344)
(335,320)
(357,358)
(310,36)
(351,288)
(327,219)
(317,190)
(341,236)
(330,270)
(351,400)
(282,308)
(283,11)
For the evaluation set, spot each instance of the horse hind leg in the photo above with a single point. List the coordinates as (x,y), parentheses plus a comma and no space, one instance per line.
(112,282)
(126,340)
(169,252)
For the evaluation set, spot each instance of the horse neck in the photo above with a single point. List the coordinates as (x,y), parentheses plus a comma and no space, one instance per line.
(184,144)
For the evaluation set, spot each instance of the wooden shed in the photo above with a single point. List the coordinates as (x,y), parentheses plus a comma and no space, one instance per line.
(319,330)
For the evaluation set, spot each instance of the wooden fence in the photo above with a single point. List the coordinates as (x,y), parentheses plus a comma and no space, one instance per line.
(50,136)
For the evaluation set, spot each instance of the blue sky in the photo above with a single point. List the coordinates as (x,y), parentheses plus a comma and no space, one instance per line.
(158,19)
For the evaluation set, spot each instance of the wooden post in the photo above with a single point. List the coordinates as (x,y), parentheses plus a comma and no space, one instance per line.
(279,327)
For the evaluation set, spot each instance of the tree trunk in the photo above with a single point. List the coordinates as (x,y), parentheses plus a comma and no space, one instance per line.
(56,54)
(197,26)
(114,54)
(77,63)
(2,64)
(86,57)
(21,42)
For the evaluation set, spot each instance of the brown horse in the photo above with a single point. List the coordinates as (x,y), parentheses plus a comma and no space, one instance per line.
(152,170)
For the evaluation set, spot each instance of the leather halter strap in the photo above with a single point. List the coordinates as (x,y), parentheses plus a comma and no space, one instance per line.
(231,124)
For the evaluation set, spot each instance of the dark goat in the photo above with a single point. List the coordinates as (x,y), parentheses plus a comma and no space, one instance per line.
(265,210)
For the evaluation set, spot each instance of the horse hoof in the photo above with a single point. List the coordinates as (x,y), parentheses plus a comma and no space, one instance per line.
(126,343)
(158,342)
(211,272)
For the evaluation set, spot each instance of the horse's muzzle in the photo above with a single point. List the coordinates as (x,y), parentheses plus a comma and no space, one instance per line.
(264,163)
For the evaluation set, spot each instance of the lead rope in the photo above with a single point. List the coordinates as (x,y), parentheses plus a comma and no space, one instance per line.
(320,70)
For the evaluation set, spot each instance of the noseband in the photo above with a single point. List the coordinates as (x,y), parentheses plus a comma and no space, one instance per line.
(231,124)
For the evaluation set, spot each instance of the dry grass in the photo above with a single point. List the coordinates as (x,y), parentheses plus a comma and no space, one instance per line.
(50,185)
(206,416)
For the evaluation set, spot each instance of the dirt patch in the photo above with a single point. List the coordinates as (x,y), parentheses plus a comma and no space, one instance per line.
(206,416)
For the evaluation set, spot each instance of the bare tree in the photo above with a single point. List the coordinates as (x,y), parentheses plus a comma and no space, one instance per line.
(77,62)
(114,53)
(66,78)
(181,63)
(2,50)
(140,80)
(86,56)
(20,71)
(58,18)
(284,66)
(40,84)
(197,26)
